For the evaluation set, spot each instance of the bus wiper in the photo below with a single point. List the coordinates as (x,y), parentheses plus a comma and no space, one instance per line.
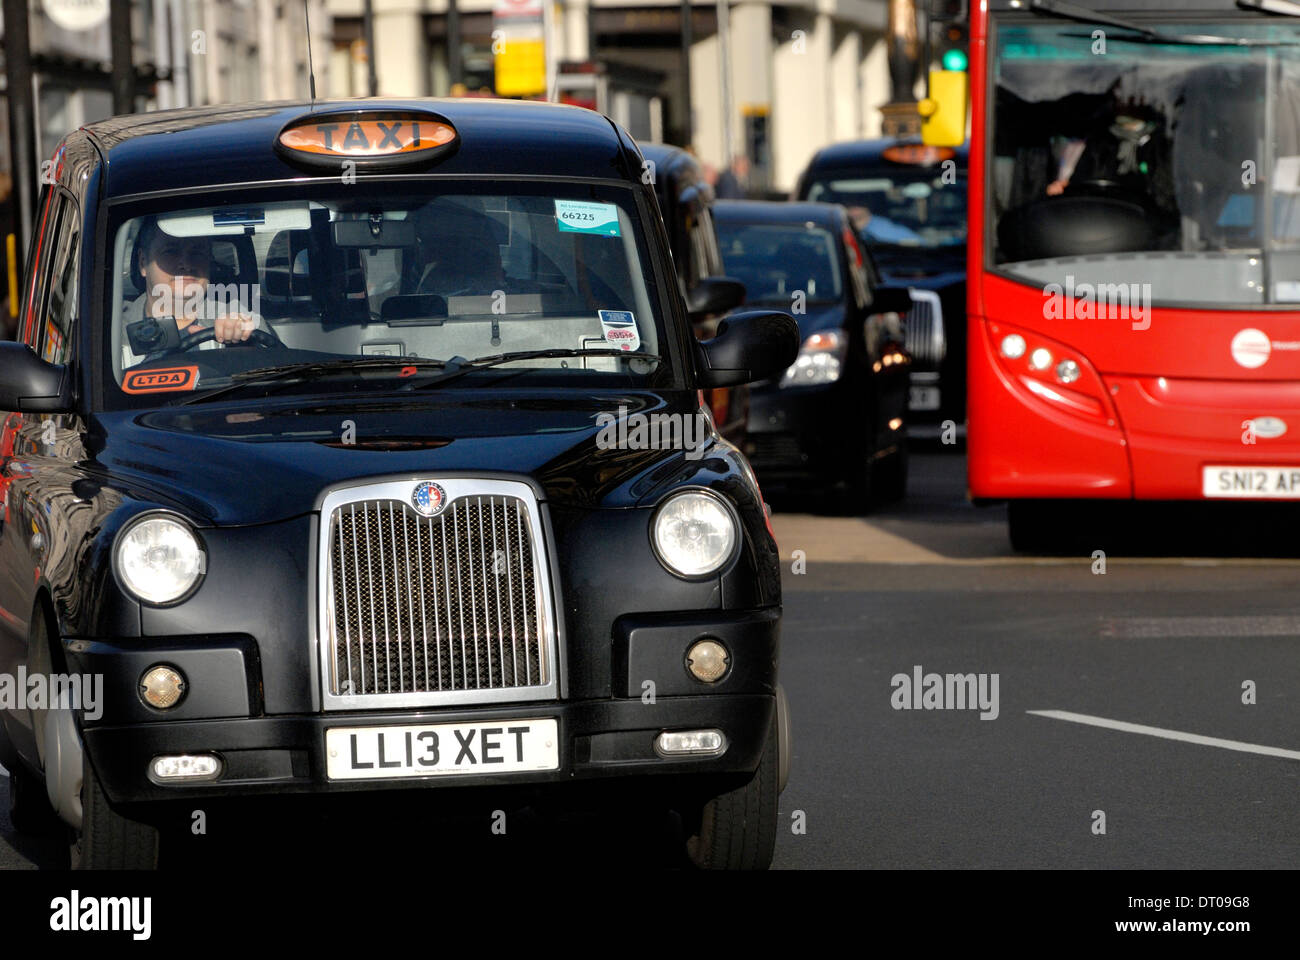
(1070,11)
(459,366)
(311,370)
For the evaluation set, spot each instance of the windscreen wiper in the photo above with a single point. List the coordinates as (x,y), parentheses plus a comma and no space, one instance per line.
(1071,11)
(311,370)
(1283,8)
(459,366)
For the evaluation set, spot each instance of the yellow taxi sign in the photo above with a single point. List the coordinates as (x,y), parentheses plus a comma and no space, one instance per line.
(369,139)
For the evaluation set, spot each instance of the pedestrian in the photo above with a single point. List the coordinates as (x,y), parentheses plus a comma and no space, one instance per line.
(733,181)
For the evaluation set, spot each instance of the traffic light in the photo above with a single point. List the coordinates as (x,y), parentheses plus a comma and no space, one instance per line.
(943,112)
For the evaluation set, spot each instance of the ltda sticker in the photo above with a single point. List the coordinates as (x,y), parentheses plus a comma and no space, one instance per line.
(620,329)
(161,380)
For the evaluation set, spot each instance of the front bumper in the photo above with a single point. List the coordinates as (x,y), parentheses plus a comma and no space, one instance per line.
(286,755)
(609,740)
(798,433)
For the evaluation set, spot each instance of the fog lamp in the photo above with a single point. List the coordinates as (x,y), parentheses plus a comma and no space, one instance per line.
(684,742)
(185,766)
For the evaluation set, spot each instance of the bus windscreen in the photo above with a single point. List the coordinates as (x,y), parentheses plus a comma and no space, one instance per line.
(1175,161)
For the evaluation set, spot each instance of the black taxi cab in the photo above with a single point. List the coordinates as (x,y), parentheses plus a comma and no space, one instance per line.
(358,449)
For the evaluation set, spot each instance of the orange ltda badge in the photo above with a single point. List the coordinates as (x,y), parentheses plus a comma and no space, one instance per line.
(161,380)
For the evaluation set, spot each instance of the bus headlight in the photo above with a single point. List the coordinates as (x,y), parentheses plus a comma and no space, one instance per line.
(694,534)
(820,360)
(159,559)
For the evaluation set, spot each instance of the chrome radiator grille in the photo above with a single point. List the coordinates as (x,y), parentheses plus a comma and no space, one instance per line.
(453,606)
(923,329)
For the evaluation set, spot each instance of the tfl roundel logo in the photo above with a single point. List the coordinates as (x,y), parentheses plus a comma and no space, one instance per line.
(429,499)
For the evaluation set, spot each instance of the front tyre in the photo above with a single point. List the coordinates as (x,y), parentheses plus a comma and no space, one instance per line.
(737,830)
(108,841)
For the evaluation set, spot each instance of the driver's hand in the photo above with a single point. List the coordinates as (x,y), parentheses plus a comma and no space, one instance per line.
(234,328)
(1057,187)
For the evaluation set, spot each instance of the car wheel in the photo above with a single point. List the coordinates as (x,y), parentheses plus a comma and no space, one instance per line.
(737,830)
(891,475)
(853,496)
(29,804)
(107,840)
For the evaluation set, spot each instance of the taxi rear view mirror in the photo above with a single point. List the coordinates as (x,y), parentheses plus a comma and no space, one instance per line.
(30,385)
(373,233)
(751,345)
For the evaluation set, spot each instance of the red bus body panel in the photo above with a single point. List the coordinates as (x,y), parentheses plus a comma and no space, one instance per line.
(1173,397)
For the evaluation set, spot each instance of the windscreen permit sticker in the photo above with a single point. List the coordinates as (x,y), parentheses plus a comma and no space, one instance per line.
(620,329)
(161,380)
(584,216)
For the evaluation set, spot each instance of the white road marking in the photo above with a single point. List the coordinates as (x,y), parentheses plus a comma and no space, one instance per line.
(1167,734)
(1147,628)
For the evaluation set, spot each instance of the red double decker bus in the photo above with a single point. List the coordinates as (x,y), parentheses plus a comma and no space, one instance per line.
(1134,253)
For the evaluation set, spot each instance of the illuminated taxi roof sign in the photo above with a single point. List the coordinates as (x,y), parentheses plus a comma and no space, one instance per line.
(372,139)
(917,153)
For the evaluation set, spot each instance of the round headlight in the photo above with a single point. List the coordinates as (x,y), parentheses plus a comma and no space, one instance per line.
(159,559)
(694,534)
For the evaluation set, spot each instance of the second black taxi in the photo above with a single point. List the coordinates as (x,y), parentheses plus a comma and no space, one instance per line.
(836,418)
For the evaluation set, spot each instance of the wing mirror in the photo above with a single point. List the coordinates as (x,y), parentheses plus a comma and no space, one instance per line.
(749,346)
(30,385)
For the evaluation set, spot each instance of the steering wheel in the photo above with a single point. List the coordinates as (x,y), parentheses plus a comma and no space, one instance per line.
(259,337)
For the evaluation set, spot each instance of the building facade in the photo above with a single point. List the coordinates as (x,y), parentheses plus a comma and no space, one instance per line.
(801,74)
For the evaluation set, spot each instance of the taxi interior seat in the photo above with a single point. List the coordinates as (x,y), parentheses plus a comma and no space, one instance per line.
(314,309)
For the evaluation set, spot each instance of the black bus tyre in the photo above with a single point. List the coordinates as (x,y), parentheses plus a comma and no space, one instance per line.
(1031,525)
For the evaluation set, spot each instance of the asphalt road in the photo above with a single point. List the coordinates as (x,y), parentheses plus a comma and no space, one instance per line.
(1118,692)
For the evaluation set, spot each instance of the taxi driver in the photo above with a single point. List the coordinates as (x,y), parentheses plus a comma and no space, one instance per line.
(175,272)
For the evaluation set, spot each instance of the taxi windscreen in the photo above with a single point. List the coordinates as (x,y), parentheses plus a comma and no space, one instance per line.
(474,280)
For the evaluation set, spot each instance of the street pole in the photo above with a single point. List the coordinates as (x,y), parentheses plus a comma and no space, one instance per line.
(549,42)
(455,69)
(119,15)
(22,120)
(688,39)
(724,61)
(372,80)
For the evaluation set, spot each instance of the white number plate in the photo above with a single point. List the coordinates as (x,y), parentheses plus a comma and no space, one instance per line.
(496,746)
(923,398)
(1274,483)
